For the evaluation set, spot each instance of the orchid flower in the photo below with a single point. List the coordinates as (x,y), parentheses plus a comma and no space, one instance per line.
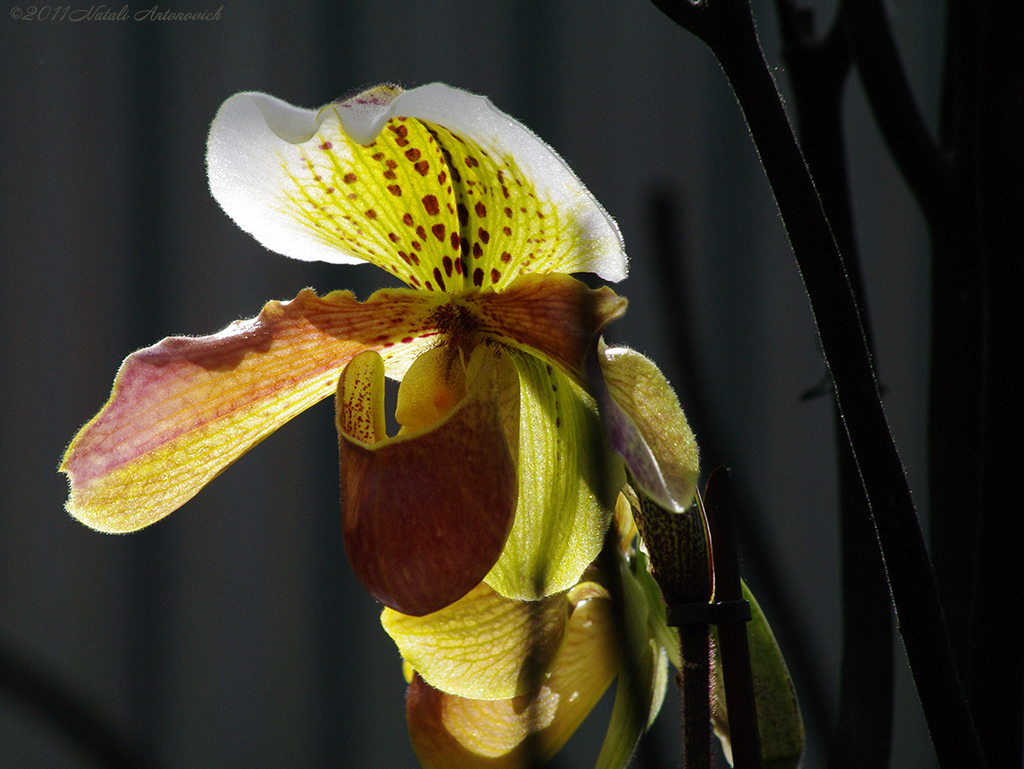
(479,523)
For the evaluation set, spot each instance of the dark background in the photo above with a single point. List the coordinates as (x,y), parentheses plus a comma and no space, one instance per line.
(233,633)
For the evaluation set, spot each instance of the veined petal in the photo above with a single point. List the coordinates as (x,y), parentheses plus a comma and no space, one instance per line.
(429,184)
(184,409)
(568,484)
(554,316)
(483,646)
(557,224)
(645,425)
(426,513)
(449,731)
(297,181)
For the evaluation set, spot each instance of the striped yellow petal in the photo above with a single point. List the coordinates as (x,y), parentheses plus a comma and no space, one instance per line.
(449,731)
(434,185)
(484,646)
(184,409)
(568,484)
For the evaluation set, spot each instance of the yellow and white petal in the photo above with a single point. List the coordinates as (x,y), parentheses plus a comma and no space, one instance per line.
(568,483)
(535,209)
(184,409)
(484,646)
(303,186)
(434,185)
(527,730)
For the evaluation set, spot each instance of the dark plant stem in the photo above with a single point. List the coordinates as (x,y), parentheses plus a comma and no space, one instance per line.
(733,647)
(727,27)
(694,684)
(970,185)
(818,72)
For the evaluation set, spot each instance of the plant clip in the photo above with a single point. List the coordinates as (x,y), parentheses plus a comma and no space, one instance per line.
(721,613)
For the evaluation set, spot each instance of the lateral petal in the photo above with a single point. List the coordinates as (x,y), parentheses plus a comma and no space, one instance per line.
(184,409)
(527,730)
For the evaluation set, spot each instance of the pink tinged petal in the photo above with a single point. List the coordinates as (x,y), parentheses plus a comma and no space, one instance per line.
(483,646)
(183,410)
(426,514)
(579,235)
(554,316)
(645,425)
(449,731)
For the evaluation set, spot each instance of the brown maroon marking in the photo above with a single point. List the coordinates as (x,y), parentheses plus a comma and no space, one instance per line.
(506,257)
(447,262)
(495,275)
(423,167)
(391,163)
(412,154)
(421,232)
(485,236)
(438,278)
(326,146)
(431,205)
(463,214)
(395,190)
(390,175)
(478,277)
(507,230)
(371,214)
(417,245)
(349,178)
(394,237)
(477,250)
(442,177)
(455,241)
(481,209)
(472,162)
(439,231)
(407,219)
(406,339)
(508,212)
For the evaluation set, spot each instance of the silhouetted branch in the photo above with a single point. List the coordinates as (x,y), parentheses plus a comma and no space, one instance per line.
(728,29)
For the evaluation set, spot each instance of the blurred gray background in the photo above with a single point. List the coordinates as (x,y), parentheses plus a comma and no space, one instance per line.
(233,633)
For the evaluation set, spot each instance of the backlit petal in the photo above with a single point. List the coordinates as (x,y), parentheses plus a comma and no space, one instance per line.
(558,226)
(319,194)
(645,425)
(483,646)
(474,201)
(568,484)
(554,316)
(183,410)
(426,513)
(450,731)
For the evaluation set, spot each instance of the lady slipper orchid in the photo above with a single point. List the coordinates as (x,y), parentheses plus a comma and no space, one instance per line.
(494,474)
(480,523)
